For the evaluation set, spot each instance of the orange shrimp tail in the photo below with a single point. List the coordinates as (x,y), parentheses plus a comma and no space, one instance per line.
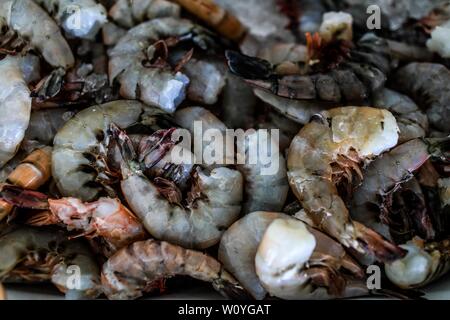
(380,247)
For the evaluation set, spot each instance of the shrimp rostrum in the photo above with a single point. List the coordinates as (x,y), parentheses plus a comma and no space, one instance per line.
(141,266)
(326,151)
(35,255)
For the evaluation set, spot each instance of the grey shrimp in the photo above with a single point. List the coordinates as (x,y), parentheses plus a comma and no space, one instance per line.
(35,255)
(141,266)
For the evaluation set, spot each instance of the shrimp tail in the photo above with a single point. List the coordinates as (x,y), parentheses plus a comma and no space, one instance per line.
(381,248)
(231,290)
(23,198)
(250,68)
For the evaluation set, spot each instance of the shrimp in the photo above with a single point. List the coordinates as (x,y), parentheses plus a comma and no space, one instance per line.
(79,165)
(155,85)
(324,152)
(79,19)
(105,218)
(15,106)
(31,22)
(383,177)
(141,266)
(430,90)
(294,261)
(349,80)
(265,183)
(213,204)
(130,13)
(424,263)
(34,255)
(238,246)
(243,247)
(412,122)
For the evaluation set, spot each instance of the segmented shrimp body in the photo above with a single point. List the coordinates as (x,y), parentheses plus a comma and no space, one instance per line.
(324,152)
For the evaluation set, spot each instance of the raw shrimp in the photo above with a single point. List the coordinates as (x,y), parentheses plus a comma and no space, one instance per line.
(15,106)
(31,22)
(430,90)
(242,241)
(35,255)
(382,178)
(211,205)
(423,264)
(294,261)
(351,80)
(238,248)
(130,13)
(412,122)
(141,266)
(265,179)
(79,19)
(106,218)
(324,152)
(81,145)
(155,85)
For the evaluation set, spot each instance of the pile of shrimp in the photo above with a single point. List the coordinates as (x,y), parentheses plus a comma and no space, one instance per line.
(95,94)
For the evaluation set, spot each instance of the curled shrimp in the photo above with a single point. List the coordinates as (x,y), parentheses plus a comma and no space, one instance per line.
(263,190)
(130,13)
(430,90)
(412,122)
(141,266)
(245,248)
(105,218)
(34,255)
(80,19)
(80,153)
(155,85)
(424,263)
(31,22)
(15,104)
(324,152)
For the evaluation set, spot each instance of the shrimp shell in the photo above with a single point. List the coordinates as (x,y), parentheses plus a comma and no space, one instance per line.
(138,268)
